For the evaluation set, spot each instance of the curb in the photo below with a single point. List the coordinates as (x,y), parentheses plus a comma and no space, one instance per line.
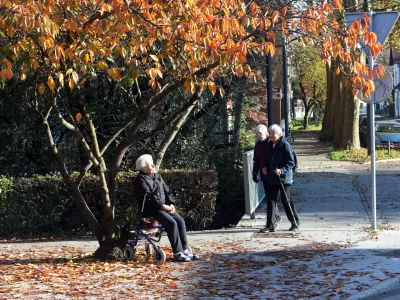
(379,289)
(378,161)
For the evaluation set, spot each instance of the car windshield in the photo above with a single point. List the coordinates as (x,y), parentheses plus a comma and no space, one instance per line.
(387,127)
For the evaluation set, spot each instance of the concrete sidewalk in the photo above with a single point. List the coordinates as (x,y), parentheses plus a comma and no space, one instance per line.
(335,255)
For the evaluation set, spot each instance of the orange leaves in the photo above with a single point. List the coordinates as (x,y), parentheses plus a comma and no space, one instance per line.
(114,73)
(254,8)
(375,49)
(152,73)
(327,7)
(284,11)
(369,38)
(239,71)
(104,8)
(275,17)
(338,4)
(50,83)
(360,68)
(363,82)
(269,48)
(380,71)
(105,36)
(102,65)
(154,57)
(42,89)
(6,73)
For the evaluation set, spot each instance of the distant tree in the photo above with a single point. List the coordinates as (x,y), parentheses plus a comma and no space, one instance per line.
(310,78)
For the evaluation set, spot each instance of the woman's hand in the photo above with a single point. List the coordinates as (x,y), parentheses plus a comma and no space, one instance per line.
(278,172)
(264,170)
(168,208)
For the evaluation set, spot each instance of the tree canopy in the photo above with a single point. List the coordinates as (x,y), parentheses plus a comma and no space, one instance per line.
(67,41)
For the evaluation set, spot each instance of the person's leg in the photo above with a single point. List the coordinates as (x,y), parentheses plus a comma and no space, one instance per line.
(183,236)
(180,222)
(171,227)
(277,216)
(290,211)
(272,193)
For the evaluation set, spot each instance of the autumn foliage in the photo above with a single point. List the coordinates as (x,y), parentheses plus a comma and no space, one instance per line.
(69,40)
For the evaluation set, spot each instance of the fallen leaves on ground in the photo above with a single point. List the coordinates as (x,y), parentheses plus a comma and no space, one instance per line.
(226,270)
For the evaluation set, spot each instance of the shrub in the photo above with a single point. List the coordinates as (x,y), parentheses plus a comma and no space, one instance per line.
(42,204)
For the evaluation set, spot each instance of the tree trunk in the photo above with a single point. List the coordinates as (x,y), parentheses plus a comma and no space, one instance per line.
(347,110)
(72,186)
(328,121)
(236,127)
(351,138)
(338,108)
(307,111)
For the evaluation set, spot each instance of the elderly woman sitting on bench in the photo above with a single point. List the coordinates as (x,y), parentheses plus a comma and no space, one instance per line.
(160,205)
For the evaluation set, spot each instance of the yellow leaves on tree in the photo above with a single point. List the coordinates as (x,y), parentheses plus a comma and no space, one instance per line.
(42,89)
(50,83)
(270,48)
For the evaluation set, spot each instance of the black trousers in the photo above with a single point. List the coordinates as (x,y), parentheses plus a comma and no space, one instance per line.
(176,229)
(265,192)
(272,199)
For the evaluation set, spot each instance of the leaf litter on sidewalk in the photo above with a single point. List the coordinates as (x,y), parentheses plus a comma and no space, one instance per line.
(226,270)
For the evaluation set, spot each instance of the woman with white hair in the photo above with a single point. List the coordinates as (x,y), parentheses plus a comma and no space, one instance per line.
(160,204)
(278,169)
(259,159)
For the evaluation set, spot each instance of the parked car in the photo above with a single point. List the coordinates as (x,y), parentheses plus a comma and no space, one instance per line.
(387,131)
(363,127)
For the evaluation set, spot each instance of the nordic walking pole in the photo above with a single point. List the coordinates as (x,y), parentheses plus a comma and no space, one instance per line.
(287,201)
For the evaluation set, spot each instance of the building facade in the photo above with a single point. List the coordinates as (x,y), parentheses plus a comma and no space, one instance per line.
(395,62)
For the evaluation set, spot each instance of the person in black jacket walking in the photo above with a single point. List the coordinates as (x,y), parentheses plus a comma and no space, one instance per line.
(279,168)
(259,158)
(160,204)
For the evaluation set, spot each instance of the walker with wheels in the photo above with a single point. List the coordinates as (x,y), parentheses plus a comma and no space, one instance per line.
(147,233)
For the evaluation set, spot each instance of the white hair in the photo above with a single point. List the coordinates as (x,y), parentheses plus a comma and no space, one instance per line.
(143,160)
(261,128)
(275,128)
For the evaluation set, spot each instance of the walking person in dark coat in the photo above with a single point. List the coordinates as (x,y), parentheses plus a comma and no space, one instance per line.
(279,171)
(160,204)
(259,160)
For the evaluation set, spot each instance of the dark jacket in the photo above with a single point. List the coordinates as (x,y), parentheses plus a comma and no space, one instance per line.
(280,157)
(155,190)
(259,158)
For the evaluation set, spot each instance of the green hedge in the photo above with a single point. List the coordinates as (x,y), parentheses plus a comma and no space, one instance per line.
(42,204)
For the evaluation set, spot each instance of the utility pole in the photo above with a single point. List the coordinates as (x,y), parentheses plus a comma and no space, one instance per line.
(269,90)
(285,86)
(370,106)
